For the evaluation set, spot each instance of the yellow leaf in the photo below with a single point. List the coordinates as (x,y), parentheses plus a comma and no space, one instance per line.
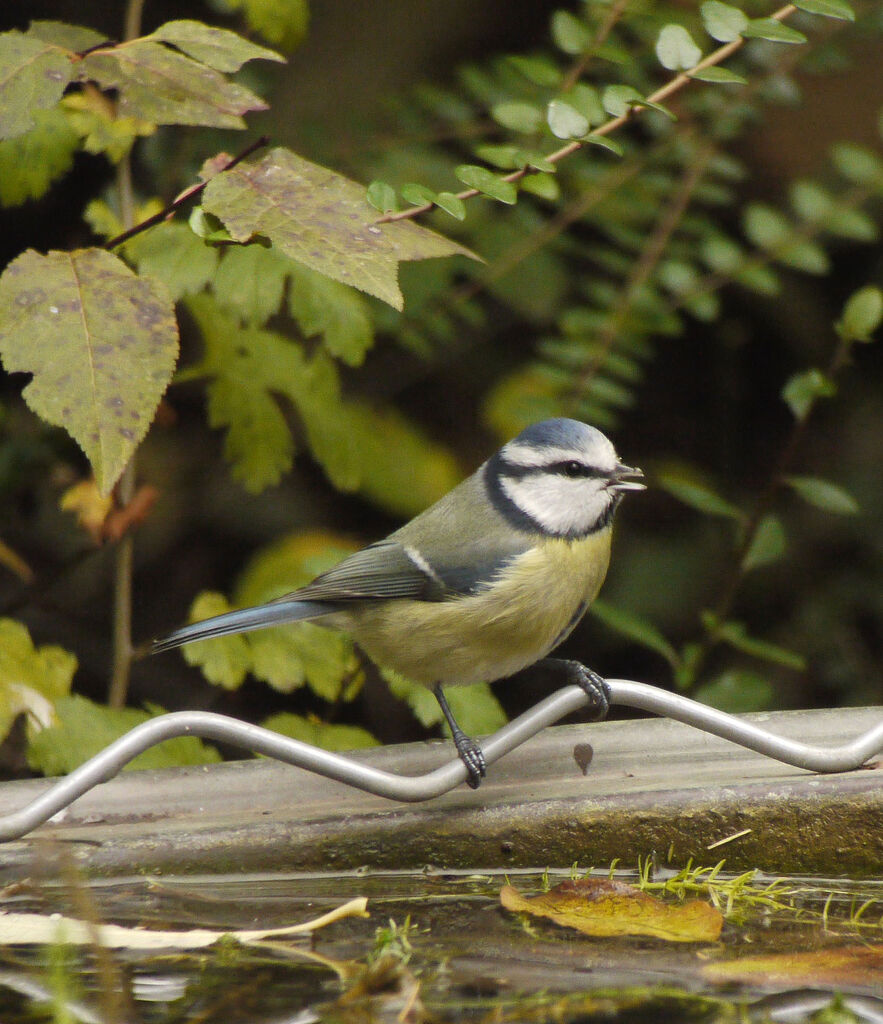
(835,967)
(89,505)
(604,908)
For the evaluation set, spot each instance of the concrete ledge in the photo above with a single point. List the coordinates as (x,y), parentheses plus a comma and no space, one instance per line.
(652,785)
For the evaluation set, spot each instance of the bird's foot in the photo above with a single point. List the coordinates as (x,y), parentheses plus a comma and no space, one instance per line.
(469,749)
(595,688)
(472,756)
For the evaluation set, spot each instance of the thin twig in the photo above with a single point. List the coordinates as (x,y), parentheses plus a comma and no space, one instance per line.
(646,264)
(664,92)
(183,197)
(124,556)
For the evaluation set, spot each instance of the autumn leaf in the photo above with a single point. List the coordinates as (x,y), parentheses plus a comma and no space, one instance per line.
(322,220)
(605,908)
(828,968)
(164,86)
(33,76)
(32,678)
(89,506)
(101,343)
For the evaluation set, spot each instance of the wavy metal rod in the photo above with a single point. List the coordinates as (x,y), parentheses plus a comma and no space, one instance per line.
(412,789)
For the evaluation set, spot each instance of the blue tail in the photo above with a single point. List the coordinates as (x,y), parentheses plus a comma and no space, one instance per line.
(274,613)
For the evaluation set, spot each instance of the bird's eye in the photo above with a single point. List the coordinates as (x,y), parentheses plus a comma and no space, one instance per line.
(574,469)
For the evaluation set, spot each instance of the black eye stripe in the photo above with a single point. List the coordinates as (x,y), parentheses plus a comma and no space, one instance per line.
(571,468)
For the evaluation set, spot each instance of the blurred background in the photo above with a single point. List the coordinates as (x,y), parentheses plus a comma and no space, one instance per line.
(622,310)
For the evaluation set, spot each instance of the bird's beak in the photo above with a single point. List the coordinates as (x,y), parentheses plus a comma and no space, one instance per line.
(626,478)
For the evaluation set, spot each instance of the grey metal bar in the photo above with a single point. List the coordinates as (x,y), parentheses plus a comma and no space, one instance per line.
(210,726)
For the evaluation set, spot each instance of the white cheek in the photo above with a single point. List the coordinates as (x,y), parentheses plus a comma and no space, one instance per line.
(559,504)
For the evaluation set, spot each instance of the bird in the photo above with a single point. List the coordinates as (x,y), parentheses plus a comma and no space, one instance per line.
(483,584)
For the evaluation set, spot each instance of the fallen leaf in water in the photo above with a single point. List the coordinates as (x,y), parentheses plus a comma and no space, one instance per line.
(42,929)
(604,908)
(843,965)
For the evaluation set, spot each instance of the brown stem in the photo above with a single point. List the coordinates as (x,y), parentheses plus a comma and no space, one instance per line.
(184,197)
(669,89)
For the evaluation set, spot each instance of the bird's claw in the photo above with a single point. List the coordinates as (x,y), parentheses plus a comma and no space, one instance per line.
(595,688)
(472,756)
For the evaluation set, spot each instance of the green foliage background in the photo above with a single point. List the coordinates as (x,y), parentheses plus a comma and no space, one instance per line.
(682,281)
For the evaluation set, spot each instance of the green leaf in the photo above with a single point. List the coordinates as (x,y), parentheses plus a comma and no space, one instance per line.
(402,470)
(333,311)
(33,76)
(759,279)
(768,544)
(827,8)
(173,254)
(803,389)
(95,120)
(375,451)
(69,37)
(587,100)
(810,201)
(856,163)
(161,85)
(824,495)
(543,185)
(84,729)
(416,194)
(721,76)
(382,197)
(29,163)
(569,33)
(288,656)
(283,23)
(486,182)
(225,660)
(507,158)
(852,224)
(676,49)
(290,563)
(721,254)
(604,143)
(635,628)
(772,30)
(32,679)
(277,198)
(539,70)
(697,496)
(518,117)
(723,22)
(101,343)
(565,122)
(451,204)
(737,692)
(250,281)
(320,734)
(861,315)
(217,47)
(475,707)
(246,365)
(618,100)
(809,257)
(765,226)
(736,635)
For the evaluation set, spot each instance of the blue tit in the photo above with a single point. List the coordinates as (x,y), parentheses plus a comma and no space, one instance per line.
(484,583)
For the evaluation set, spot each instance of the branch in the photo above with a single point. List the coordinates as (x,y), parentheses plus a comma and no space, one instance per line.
(184,196)
(669,89)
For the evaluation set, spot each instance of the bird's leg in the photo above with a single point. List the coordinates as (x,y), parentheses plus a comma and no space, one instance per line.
(576,674)
(469,750)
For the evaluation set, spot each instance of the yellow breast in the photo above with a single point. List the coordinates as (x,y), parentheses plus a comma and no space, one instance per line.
(529,609)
